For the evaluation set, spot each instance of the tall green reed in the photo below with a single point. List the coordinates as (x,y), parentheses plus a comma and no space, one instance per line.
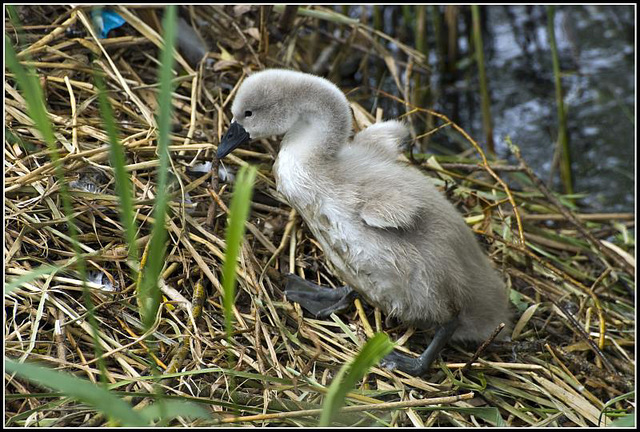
(149,294)
(118,162)
(238,214)
(29,85)
(484,87)
(563,134)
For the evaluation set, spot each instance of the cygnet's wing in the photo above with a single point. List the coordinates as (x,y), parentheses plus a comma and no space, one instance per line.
(388,192)
(384,138)
(392,197)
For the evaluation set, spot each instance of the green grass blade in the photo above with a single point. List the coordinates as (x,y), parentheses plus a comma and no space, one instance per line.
(482,76)
(123,182)
(149,292)
(563,134)
(627,421)
(614,400)
(238,213)
(100,399)
(370,354)
(32,92)
(168,410)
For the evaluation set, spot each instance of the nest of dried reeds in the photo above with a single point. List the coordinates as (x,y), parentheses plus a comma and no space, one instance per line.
(572,280)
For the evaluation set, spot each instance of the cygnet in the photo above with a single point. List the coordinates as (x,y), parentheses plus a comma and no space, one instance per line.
(389,233)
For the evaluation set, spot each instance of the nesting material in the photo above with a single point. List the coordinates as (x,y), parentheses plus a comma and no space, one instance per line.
(574,320)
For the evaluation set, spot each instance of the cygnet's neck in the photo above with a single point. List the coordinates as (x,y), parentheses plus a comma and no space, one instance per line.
(307,158)
(322,127)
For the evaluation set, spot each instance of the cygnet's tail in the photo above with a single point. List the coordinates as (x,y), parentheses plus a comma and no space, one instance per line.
(383,138)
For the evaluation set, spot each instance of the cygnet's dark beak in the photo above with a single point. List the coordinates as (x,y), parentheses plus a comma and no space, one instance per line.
(235,137)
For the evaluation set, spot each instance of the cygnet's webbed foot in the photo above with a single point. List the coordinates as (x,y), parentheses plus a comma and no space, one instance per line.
(320,301)
(419,366)
(411,365)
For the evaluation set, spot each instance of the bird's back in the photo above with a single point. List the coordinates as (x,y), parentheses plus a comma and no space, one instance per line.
(394,237)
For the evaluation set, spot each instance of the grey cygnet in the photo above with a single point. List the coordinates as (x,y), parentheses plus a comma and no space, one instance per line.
(389,233)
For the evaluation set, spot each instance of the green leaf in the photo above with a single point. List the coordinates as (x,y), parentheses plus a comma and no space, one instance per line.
(168,410)
(518,300)
(627,421)
(100,399)
(123,182)
(488,414)
(149,292)
(238,213)
(370,354)
(613,401)
(32,92)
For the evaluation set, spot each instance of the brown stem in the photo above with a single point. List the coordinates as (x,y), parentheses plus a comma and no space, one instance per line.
(482,347)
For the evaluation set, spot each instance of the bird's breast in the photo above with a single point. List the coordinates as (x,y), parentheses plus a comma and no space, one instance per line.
(293,179)
(328,218)
(358,255)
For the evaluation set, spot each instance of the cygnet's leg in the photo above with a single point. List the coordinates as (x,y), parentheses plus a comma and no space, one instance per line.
(320,301)
(419,366)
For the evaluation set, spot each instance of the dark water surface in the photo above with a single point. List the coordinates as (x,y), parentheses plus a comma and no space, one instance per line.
(597,57)
(596,49)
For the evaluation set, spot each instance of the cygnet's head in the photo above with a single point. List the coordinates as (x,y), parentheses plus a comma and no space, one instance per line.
(270,102)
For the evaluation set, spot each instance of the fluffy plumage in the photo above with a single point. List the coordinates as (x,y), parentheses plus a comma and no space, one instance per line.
(389,233)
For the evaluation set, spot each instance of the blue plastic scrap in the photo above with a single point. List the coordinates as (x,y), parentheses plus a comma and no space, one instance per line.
(106,20)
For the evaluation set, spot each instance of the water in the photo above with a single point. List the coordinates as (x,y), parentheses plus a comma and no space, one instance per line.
(595,46)
(597,56)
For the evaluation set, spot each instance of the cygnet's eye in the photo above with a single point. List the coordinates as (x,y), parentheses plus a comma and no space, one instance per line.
(248,113)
